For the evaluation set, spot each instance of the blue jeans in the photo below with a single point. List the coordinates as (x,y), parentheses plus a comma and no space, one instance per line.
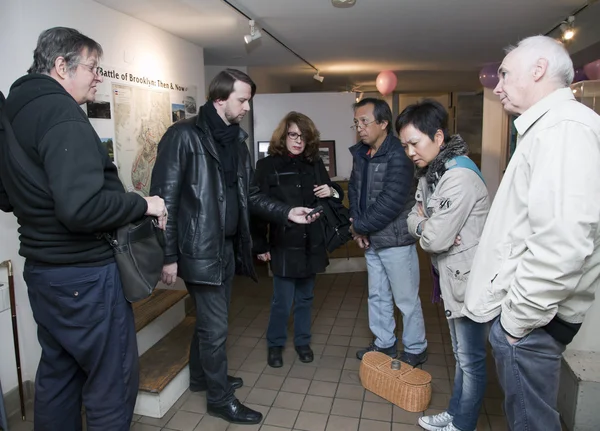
(469,346)
(529,373)
(394,276)
(286,291)
(86,330)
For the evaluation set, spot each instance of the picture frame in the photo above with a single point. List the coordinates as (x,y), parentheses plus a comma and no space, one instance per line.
(262,148)
(327,154)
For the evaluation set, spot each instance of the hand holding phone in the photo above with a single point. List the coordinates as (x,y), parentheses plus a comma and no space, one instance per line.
(316,210)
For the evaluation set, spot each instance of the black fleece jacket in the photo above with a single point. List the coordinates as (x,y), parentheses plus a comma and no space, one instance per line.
(85,195)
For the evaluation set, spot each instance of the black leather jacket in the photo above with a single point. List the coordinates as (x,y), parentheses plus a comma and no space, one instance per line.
(189,177)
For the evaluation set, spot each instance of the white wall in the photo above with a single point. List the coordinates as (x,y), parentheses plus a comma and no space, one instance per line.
(331,112)
(127,43)
(267,83)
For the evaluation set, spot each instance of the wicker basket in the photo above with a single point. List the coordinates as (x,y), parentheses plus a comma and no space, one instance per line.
(409,388)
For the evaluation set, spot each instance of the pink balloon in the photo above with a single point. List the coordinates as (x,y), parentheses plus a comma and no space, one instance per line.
(592,70)
(386,82)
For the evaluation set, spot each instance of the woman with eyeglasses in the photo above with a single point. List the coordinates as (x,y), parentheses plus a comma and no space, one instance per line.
(296,252)
(451,208)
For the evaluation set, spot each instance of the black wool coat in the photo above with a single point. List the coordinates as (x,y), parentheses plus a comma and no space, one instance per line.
(297,251)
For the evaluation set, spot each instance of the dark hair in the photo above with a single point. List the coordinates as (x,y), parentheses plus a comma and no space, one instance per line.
(310,136)
(61,42)
(221,86)
(428,116)
(381,110)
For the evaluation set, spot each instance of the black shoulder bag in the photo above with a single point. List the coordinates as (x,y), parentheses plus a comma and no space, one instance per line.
(335,219)
(138,246)
(140,256)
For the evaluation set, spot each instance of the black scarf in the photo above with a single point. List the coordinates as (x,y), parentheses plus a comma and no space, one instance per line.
(226,137)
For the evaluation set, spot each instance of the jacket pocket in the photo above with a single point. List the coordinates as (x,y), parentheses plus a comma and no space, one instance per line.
(457,274)
(188,238)
(510,258)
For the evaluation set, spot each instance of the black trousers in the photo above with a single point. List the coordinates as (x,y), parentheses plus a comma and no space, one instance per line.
(89,351)
(208,354)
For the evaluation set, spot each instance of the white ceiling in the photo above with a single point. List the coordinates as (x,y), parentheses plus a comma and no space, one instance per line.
(432,45)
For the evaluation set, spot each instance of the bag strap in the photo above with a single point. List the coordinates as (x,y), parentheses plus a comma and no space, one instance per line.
(327,210)
(329,213)
(464,162)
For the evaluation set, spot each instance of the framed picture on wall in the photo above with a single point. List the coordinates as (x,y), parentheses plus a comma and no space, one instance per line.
(327,154)
(261,149)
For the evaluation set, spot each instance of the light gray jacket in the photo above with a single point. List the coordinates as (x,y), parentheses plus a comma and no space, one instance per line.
(455,202)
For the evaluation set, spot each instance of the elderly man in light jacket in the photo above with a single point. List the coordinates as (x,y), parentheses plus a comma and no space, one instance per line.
(538,262)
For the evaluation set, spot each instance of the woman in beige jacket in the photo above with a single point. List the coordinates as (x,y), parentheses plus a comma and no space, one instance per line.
(448,217)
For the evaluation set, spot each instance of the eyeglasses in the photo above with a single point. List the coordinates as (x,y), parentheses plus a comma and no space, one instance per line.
(361,124)
(93,69)
(293,135)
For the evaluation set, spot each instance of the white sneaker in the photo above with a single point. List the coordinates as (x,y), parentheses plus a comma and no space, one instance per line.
(451,427)
(437,422)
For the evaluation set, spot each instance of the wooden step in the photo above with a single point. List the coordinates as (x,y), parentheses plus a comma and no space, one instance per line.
(161,300)
(165,360)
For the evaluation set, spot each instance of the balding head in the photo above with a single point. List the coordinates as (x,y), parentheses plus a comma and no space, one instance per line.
(536,67)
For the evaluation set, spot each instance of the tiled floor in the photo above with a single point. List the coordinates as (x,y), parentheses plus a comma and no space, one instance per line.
(325,395)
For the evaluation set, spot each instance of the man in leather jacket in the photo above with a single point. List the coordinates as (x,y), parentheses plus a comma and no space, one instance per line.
(204,173)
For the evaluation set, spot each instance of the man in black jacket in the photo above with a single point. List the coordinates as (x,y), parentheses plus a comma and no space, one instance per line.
(204,173)
(85,326)
(380,192)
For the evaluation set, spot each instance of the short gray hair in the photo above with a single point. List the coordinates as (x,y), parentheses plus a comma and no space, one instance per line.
(61,42)
(560,65)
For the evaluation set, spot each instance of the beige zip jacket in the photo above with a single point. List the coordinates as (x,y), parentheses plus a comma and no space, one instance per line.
(539,254)
(458,206)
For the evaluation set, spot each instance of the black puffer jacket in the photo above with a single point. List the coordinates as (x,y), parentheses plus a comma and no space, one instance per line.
(391,188)
(189,177)
(296,250)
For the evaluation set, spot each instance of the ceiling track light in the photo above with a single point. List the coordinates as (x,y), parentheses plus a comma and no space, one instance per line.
(275,39)
(318,77)
(343,3)
(568,28)
(254,32)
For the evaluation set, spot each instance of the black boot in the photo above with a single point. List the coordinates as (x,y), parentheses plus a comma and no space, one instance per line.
(305,353)
(274,358)
(236,413)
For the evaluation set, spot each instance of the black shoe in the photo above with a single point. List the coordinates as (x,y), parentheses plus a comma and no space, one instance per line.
(305,353)
(390,351)
(236,413)
(274,358)
(414,359)
(235,382)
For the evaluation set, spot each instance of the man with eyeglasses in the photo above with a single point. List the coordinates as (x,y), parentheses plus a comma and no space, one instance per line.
(381,196)
(86,328)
